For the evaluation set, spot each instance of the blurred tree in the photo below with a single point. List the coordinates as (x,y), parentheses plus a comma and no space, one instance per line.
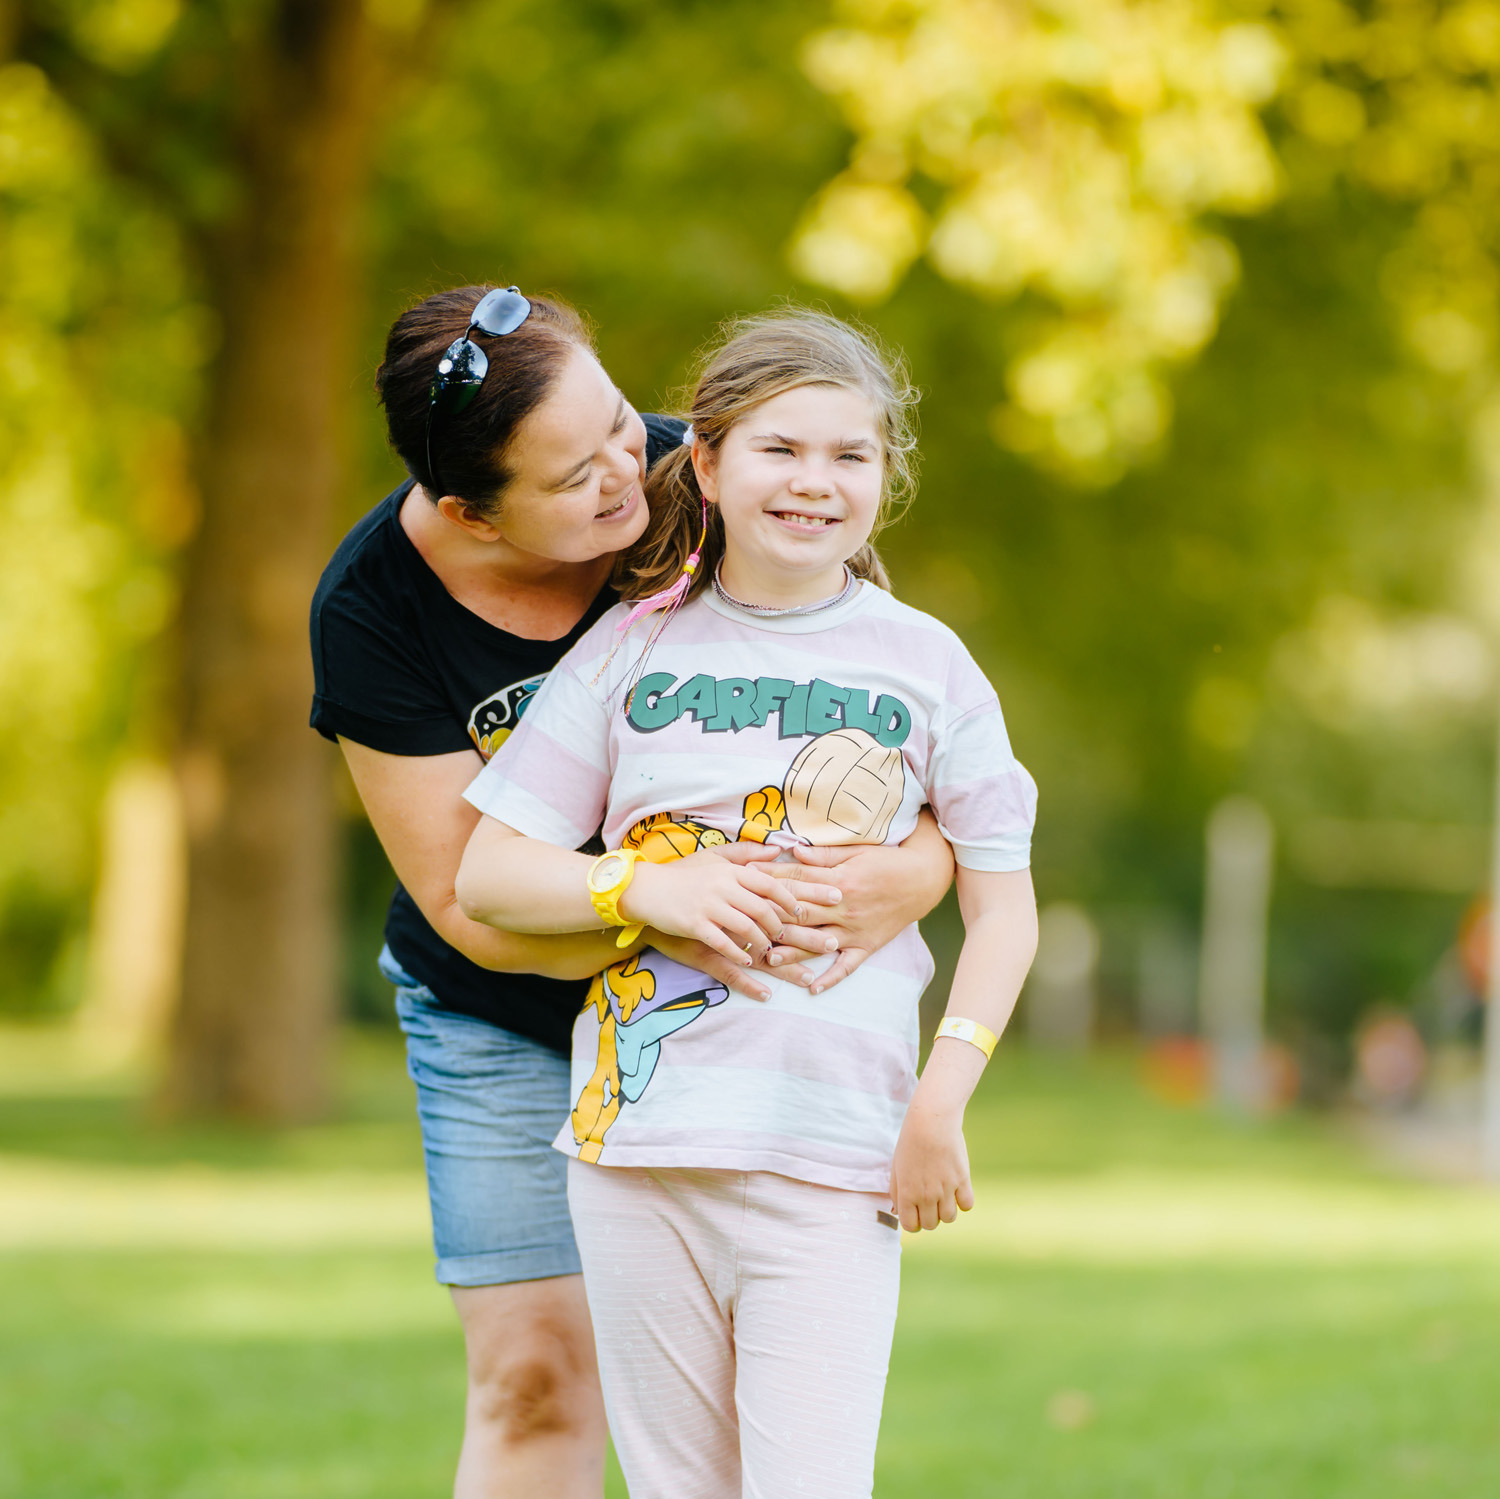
(250,127)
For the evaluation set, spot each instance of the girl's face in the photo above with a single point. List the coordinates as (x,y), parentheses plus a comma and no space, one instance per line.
(579,462)
(798,484)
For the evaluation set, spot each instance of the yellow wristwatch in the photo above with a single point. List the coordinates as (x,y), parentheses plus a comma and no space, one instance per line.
(609,878)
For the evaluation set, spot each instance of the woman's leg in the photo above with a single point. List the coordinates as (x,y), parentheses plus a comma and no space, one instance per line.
(490,1103)
(534,1418)
(658,1260)
(819,1279)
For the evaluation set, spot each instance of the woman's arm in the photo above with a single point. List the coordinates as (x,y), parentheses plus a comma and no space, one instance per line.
(885,889)
(930,1173)
(416,805)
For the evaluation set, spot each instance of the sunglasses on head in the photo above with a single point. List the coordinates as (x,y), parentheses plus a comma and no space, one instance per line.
(464,364)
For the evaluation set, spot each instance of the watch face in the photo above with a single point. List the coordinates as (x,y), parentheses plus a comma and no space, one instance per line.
(607,873)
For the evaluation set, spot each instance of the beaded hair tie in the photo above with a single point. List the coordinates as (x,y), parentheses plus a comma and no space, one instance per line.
(668,600)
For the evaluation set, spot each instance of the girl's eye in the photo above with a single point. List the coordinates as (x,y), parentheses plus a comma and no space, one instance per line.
(854,457)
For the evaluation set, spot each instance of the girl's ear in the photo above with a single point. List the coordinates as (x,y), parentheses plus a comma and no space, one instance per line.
(704,468)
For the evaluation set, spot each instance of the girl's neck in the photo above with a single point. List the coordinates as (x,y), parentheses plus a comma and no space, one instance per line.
(776,589)
(538,598)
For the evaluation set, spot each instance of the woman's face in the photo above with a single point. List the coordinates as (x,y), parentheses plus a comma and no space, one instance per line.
(579,462)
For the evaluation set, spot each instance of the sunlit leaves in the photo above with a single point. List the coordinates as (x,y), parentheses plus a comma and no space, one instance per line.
(1083,149)
(1078,147)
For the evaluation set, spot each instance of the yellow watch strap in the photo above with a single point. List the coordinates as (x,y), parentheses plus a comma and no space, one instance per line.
(607,902)
(971,1031)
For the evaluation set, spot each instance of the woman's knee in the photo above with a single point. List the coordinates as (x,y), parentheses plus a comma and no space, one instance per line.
(531,1362)
(531,1396)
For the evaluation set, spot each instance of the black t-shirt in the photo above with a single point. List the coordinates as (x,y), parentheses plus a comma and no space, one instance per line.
(401,666)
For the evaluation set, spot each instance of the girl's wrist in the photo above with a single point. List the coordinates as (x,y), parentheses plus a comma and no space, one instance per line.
(634,900)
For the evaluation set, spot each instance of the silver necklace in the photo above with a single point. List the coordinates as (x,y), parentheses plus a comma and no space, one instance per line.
(768,611)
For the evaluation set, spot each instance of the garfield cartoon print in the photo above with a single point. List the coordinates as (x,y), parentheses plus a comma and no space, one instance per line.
(641,1001)
(843,787)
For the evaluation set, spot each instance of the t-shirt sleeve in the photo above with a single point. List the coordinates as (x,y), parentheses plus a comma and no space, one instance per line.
(550,779)
(369,684)
(983,797)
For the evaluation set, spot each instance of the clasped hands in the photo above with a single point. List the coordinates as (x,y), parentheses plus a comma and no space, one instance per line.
(739,910)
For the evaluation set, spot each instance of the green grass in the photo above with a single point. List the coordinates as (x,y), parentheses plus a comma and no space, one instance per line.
(1146,1302)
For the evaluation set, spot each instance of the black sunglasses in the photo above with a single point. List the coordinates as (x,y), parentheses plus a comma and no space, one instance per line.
(464,364)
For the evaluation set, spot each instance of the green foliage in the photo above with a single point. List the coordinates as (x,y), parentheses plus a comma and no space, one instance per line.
(98,353)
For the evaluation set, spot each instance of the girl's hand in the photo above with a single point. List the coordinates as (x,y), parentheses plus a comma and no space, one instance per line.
(801,938)
(930,1173)
(886,888)
(737,910)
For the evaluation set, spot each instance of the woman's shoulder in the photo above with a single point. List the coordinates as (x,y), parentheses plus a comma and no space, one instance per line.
(365,568)
(663,433)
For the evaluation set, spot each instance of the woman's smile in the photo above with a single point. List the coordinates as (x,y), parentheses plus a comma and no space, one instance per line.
(622,508)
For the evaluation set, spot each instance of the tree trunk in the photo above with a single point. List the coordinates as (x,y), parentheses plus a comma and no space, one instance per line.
(259,995)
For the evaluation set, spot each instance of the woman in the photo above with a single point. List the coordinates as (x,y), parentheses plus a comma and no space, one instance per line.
(435,622)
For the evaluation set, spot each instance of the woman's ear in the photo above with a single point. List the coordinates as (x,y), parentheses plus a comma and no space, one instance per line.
(460,513)
(704,468)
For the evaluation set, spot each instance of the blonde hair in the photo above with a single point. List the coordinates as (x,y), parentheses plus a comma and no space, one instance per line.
(754,360)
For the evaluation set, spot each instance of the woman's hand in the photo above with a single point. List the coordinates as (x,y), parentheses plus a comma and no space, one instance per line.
(930,1172)
(737,910)
(885,887)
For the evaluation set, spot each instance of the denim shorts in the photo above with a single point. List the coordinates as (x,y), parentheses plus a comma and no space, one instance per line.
(490,1104)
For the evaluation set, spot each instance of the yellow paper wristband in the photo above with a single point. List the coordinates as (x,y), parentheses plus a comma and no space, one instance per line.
(971,1031)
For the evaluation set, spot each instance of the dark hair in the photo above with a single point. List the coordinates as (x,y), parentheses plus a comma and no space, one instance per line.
(753,360)
(469,448)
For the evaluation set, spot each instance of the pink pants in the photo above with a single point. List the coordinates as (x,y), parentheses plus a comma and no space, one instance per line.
(744,1325)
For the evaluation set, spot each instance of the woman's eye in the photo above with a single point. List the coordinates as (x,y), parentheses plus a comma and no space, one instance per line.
(582,483)
(853,457)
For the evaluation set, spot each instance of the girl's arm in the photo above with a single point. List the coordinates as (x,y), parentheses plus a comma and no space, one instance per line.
(520,883)
(886,888)
(930,1173)
(415,804)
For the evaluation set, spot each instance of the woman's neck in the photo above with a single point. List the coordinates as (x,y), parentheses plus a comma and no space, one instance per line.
(775,588)
(538,598)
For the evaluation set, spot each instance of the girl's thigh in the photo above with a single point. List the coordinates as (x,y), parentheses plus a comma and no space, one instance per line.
(659,1263)
(490,1104)
(819,1278)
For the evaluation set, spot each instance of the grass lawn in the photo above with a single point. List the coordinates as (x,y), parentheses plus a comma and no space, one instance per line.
(1146,1302)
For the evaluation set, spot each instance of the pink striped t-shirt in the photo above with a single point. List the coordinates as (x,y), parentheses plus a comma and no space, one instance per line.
(827,728)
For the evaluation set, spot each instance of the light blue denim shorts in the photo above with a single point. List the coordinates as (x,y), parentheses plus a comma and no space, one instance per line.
(490,1103)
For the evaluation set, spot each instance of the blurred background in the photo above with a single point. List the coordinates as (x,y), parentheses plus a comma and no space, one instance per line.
(1205,302)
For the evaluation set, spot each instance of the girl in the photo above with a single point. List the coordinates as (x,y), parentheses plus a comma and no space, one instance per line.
(735,1165)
